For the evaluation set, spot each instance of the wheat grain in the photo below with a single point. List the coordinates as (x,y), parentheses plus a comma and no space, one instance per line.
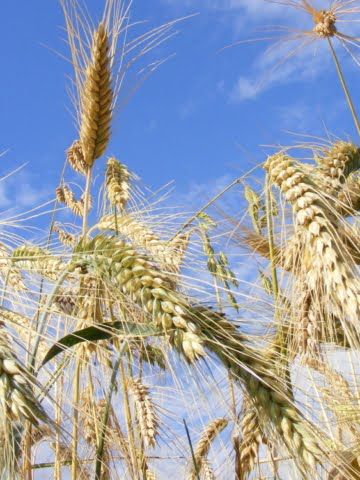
(96,98)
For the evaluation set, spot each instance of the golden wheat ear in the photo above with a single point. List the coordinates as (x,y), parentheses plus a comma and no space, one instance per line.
(96,99)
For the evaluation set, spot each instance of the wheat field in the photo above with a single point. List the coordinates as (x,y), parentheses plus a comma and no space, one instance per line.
(139,342)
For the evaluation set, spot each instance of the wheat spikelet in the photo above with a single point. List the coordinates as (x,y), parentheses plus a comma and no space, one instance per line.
(75,157)
(117,183)
(65,238)
(37,260)
(327,269)
(60,195)
(251,440)
(17,401)
(145,411)
(96,98)
(202,449)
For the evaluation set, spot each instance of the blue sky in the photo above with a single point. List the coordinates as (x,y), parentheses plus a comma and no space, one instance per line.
(200,120)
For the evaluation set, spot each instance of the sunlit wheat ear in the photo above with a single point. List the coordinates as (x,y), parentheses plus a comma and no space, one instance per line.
(17,401)
(145,411)
(67,239)
(251,439)
(328,269)
(202,448)
(117,183)
(37,260)
(337,163)
(75,158)
(96,98)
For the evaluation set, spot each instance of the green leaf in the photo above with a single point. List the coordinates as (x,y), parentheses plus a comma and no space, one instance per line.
(103,331)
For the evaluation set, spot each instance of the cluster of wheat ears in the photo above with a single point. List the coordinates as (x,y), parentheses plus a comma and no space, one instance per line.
(129,348)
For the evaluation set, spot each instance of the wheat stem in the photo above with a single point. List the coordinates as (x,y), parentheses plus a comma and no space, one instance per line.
(344,86)
(104,420)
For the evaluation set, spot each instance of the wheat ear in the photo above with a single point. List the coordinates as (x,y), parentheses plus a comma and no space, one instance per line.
(75,158)
(65,238)
(117,183)
(17,401)
(37,260)
(337,163)
(96,98)
(145,411)
(327,269)
(209,434)
(251,439)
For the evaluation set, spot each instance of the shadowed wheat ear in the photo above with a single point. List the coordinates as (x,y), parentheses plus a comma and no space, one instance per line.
(202,449)
(328,269)
(117,183)
(96,98)
(145,411)
(75,158)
